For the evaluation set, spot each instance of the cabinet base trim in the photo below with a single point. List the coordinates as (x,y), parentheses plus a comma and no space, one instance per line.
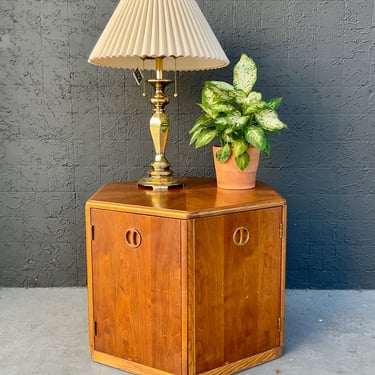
(230,368)
(246,363)
(123,364)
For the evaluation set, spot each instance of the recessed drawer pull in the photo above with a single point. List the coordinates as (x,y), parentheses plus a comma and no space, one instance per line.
(133,238)
(241,236)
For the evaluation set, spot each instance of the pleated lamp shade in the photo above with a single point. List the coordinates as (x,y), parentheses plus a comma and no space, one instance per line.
(175,30)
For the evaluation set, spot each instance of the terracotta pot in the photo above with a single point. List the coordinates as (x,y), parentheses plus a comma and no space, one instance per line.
(229,176)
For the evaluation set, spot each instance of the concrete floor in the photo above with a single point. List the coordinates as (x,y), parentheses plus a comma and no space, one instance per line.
(44,332)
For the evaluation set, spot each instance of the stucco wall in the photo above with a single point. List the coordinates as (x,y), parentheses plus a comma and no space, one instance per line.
(67,127)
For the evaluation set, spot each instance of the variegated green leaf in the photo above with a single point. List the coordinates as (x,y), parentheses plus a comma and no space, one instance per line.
(221,122)
(254,96)
(208,95)
(253,107)
(205,136)
(221,85)
(244,74)
(239,147)
(216,95)
(196,134)
(241,121)
(200,123)
(211,95)
(269,120)
(208,110)
(224,154)
(227,135)
(194,137)
(267,147)
(274,103)
(256,137)
(224,108)
(242,161)
(232,120)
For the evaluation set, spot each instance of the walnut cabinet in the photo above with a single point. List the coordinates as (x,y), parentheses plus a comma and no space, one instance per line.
(188,281)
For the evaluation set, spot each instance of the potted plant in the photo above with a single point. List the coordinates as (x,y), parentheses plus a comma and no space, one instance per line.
(239,119)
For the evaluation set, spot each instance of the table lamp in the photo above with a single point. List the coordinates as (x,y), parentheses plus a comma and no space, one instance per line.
(170,35)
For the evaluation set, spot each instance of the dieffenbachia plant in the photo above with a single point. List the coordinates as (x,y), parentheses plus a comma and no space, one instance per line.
(236,115)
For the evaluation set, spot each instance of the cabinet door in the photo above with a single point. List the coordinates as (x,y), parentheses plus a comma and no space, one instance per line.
(136,283)
(238,286)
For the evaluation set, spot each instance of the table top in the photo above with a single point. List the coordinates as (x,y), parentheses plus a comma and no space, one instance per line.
(198,198)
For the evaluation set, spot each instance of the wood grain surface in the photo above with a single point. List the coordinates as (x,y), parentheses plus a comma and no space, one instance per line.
(237,287)
(185,282)
(137,293)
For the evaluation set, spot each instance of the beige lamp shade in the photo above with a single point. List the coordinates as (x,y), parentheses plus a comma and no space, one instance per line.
(175,30)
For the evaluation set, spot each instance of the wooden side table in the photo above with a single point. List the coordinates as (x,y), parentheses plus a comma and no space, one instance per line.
(188,281)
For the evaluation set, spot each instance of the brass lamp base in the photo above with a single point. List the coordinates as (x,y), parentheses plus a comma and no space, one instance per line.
(160,176)
(160,183)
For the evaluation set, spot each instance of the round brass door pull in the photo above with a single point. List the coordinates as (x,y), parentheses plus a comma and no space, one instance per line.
(133,238)
(241,236)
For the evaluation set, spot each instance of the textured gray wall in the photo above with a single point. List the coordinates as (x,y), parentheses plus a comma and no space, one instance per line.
(67,128)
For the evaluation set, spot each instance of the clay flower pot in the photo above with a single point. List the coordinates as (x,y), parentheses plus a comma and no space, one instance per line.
(229,176)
